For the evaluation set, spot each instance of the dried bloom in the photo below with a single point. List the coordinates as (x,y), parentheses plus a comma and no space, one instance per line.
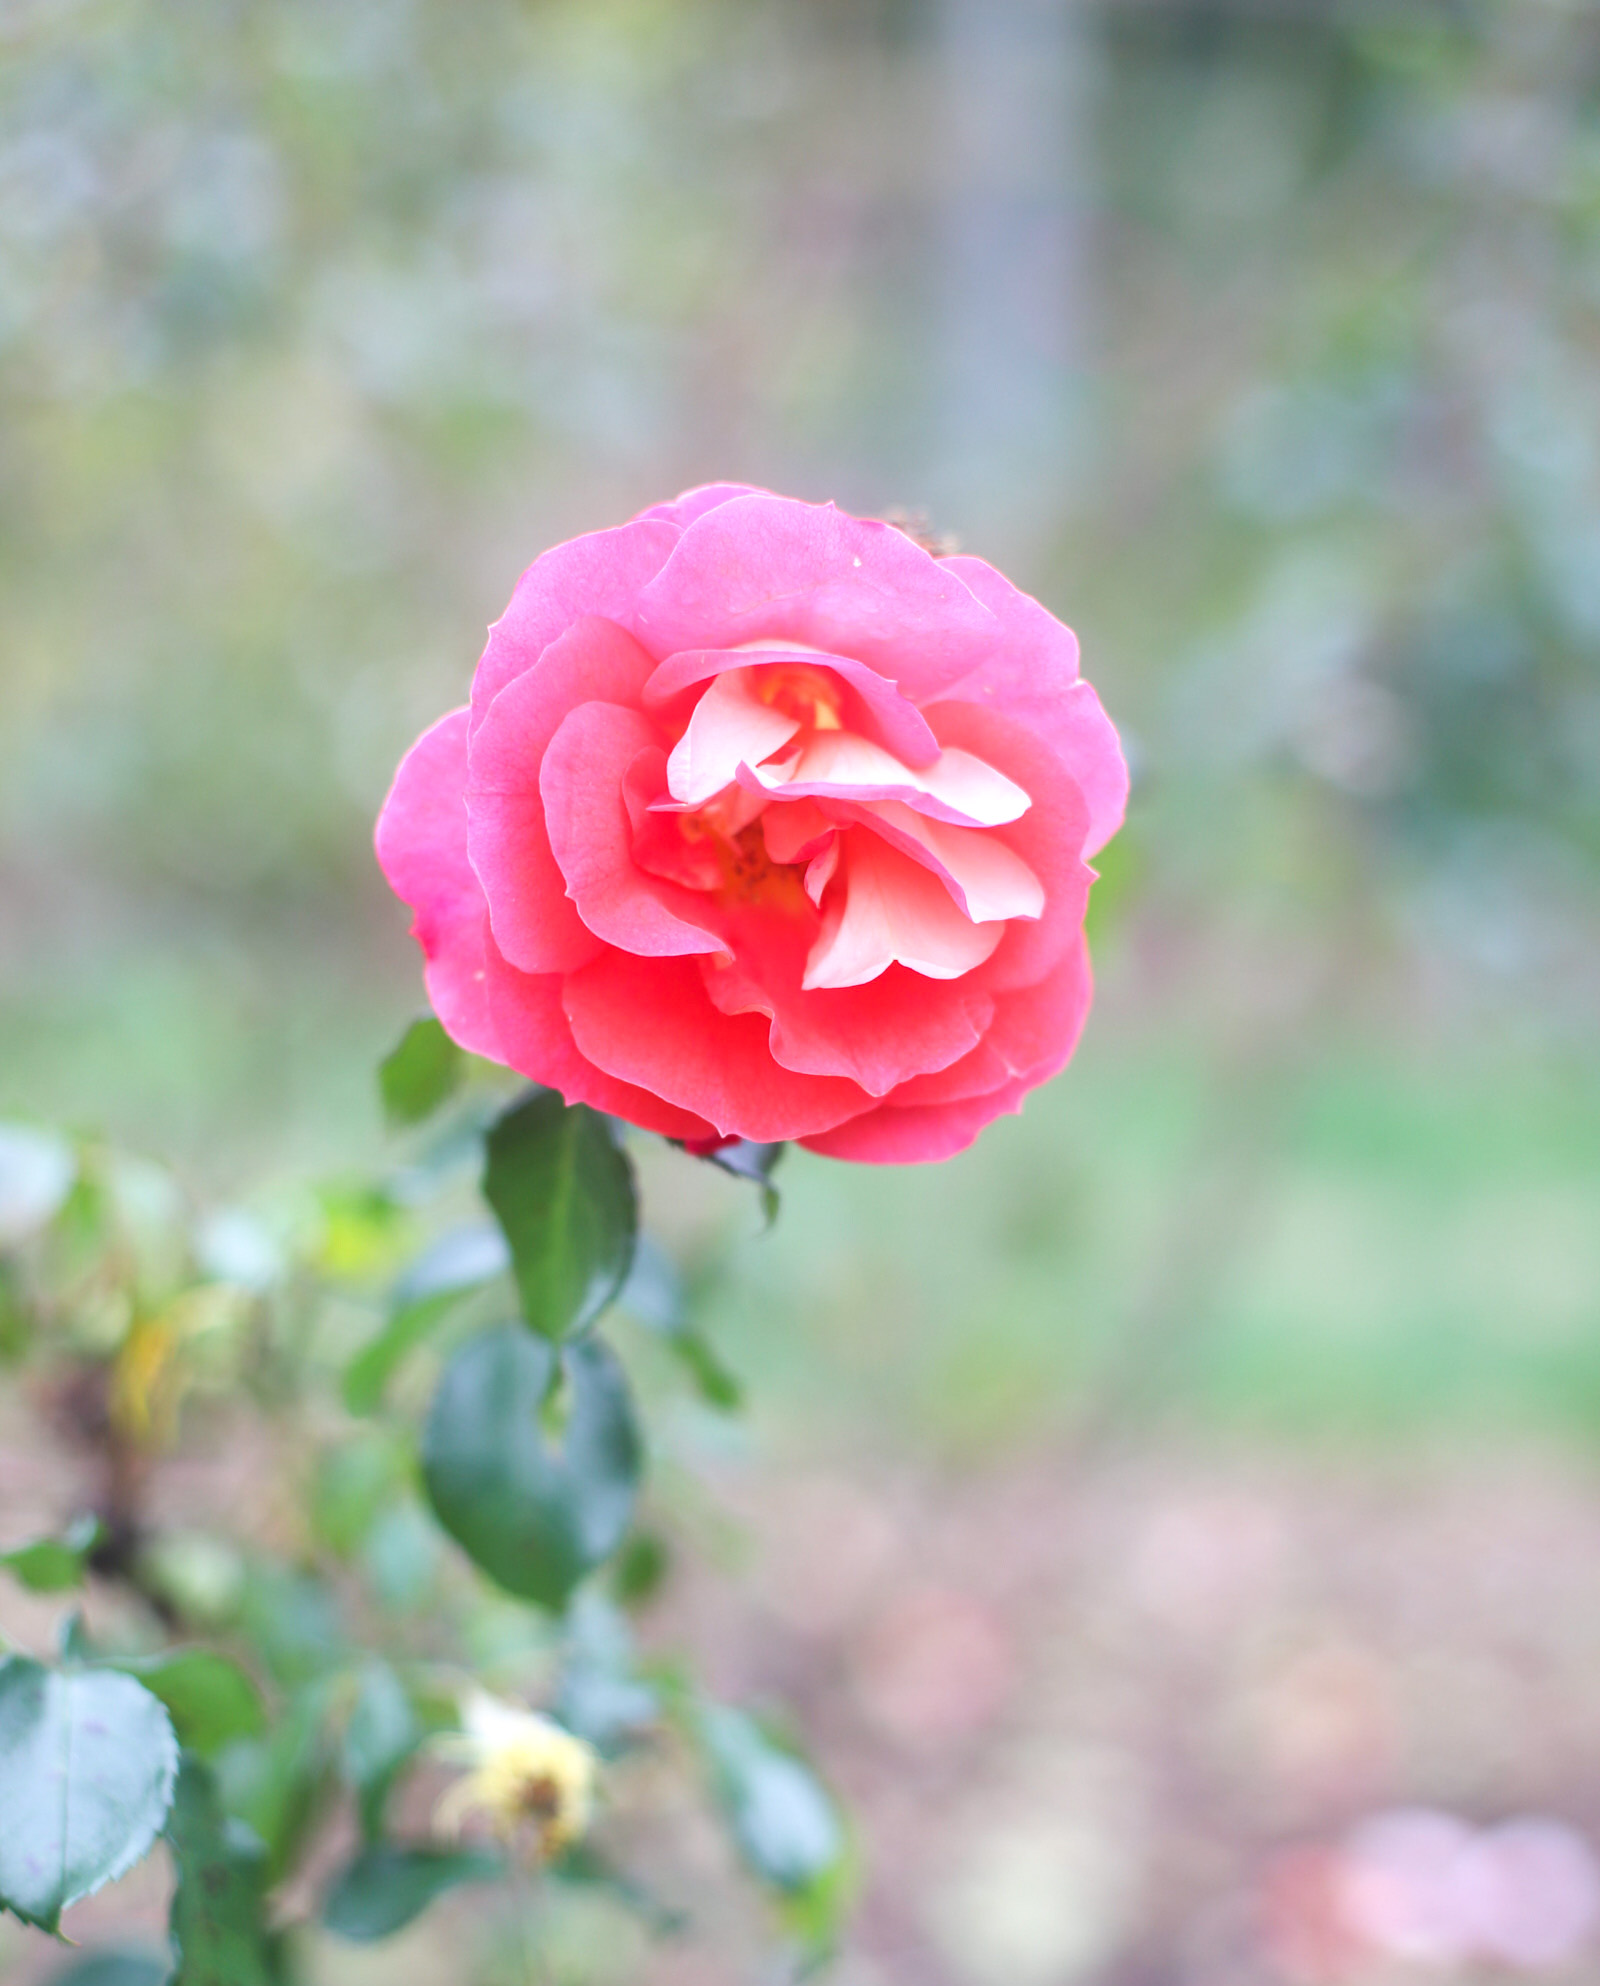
(528,1776)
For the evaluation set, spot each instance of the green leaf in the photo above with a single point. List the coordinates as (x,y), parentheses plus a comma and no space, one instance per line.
(535,1507)
(87,1763)
(115,1969)
(210,1700)
(381,1735)
(562,1190)
(385,1887)
(784,1824)
(452,1268)
(218,1918)
(54,1565)
(279,1784)
(420,1073)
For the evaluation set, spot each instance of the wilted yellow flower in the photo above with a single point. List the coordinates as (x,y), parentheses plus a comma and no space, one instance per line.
(146,1384)
(528,1774)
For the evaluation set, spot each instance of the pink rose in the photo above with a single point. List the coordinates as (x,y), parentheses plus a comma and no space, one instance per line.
(763,822)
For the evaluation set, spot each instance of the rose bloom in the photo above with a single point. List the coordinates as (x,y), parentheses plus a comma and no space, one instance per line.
(763,822)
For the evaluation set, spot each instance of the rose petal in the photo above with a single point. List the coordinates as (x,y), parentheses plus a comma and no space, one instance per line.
(535,923)
(532,1024)
(684,509)
(1032,677)
(730,727)
(795,830)
(601,573)
(890,909)
(871,703)
(1048,838)
(918,1136)
(987,879)
(957,787)
(879,1035)
(591,836)
(421,841)
(765,568)
(1032,1035)
(652,1023)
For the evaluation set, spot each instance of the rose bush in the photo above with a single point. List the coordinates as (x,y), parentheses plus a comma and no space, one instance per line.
(763,822)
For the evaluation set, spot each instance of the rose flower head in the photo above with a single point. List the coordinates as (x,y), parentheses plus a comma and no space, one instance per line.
(764,822)
(529,1778)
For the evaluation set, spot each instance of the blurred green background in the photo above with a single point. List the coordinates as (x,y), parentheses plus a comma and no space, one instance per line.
(1208,1456)
(1258,338)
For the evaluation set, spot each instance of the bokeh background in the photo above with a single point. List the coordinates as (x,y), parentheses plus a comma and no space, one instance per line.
(1154,1508)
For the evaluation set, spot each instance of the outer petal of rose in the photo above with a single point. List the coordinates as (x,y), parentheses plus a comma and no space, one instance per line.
(988,879)
(651,1022)
(1032,676)
(730,727)
(879,1035)
(591,835)
(1048,838)
(421,841)
(891,909)
(533,1026)
(535,923)
(690,504)
(599,573)
(765,568)
(1033,1034)
(956,787)
(872,703)
(920,1135)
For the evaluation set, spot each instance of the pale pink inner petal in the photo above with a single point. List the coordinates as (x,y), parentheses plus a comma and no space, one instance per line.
(988,879)
(796,830)
(957,787)
(895,721)
(819,870)
(730,727)
(893,909)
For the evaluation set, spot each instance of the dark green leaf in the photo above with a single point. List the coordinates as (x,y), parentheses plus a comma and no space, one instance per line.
(454,1267)
(73,1645)
(562,1190)
(385,1887)
(218,1917)
(115,1969)
(356,1481)
(16,1313)
(210,1700)
(278,1785)
(381,1735)
(536,1507)
(421,1072)
(639,1569)
(785,1825)
(54,1565)
(87,1763)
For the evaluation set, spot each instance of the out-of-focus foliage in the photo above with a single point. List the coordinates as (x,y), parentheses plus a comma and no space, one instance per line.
(1260,338)
(308,1677)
